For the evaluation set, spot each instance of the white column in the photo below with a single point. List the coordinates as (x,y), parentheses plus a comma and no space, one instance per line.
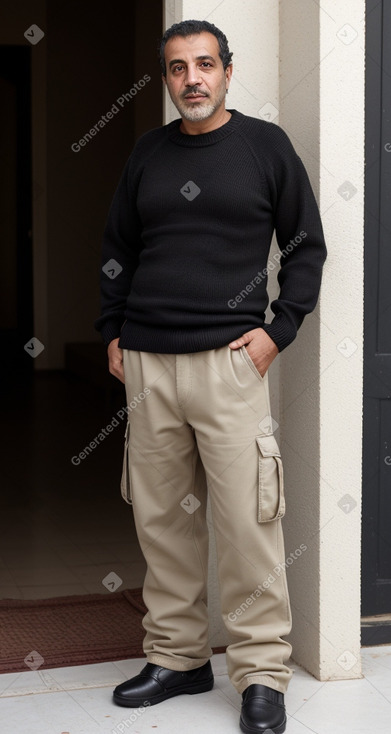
(322,109)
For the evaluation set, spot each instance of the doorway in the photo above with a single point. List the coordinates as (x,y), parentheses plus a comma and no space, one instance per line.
(16,292)
(64,524)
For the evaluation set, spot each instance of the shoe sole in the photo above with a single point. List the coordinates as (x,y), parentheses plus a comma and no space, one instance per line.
(250,729)
(190,689)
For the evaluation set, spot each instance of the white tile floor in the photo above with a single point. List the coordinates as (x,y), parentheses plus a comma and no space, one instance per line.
(77,700)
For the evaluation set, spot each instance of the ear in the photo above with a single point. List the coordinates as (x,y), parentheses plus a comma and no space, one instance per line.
(228,73)
(164,79)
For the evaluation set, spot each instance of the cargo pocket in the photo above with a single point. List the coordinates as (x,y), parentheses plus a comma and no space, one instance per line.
(271,500)
(126,490)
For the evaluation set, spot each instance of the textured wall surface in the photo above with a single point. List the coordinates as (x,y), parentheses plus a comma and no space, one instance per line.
(322,109)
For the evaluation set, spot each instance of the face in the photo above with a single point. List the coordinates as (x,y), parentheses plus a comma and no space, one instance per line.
(195,77)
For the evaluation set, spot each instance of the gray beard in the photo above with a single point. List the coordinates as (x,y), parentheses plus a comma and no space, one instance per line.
(196,112)
(201,110)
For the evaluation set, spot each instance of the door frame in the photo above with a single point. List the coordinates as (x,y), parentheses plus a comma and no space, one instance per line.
(376,625)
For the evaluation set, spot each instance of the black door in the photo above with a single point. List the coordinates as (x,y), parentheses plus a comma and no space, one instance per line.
(376,523)
(16,300)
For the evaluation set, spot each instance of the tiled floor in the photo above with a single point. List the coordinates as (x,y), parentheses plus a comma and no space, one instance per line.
(77,700)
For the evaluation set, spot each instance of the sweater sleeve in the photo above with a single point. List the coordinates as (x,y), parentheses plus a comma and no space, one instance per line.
(121,247)
(301,242)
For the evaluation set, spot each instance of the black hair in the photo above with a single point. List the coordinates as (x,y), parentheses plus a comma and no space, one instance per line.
(188,28)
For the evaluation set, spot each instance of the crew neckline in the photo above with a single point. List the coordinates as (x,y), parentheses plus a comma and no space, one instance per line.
(214,136)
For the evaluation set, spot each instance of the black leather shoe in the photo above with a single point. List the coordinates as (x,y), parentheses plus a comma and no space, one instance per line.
(155,684)
(263,710)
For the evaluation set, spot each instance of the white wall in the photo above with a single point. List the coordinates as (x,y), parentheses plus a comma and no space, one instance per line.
(322,109)
(304,59)
(342,83)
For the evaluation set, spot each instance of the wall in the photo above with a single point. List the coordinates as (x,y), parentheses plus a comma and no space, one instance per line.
(322,108)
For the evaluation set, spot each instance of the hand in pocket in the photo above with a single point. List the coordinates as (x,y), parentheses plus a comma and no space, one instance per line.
(260,347)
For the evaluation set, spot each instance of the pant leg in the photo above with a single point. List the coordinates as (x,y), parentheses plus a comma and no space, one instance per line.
(229,408)
(168,491)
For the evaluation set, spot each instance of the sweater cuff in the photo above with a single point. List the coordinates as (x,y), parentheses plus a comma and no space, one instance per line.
(110,330)
(281,331)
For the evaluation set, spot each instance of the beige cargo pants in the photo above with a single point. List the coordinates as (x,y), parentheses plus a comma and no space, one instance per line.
(200,423)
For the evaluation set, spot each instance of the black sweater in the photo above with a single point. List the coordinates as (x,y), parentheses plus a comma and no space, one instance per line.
(189,231)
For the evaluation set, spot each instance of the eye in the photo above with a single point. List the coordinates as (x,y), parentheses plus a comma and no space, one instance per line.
(206,63)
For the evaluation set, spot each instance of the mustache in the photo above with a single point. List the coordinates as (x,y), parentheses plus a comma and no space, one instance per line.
(194,90)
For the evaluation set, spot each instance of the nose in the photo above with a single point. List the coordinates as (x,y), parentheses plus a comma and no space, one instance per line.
(193,77)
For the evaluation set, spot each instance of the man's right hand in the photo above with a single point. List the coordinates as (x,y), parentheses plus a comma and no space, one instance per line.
(115,355)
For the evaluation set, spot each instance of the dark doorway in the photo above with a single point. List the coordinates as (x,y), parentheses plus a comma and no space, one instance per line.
(16,293)
(376,538)
(64,524)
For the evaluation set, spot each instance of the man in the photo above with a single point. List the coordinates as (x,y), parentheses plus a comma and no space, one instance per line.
(183,315)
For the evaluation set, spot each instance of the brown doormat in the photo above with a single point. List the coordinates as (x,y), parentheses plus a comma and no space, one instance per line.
(71,630)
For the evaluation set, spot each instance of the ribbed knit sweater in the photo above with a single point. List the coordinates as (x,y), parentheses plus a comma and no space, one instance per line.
(187,239)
